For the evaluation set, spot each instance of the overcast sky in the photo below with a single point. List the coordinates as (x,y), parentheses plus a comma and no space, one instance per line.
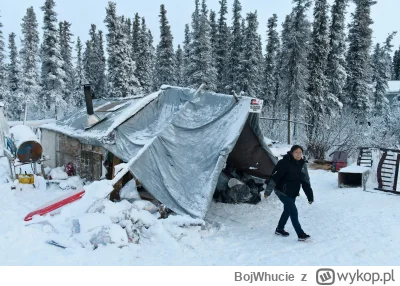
(82,13)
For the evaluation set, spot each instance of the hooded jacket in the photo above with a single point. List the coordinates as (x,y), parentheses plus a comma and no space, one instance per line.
(287,177)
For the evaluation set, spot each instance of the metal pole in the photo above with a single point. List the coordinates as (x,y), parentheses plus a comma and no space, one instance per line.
(26,111)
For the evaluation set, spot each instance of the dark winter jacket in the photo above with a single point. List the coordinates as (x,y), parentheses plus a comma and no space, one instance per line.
(287,177)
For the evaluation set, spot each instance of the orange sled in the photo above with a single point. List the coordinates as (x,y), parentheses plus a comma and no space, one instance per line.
(55,204)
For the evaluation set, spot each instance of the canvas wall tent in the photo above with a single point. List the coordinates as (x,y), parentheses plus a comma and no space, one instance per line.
(180,142)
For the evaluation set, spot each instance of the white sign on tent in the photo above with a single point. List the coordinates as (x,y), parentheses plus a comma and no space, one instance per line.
(256,105)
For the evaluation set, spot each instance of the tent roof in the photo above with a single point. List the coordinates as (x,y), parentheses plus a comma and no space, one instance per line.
(180,142)
(115,113)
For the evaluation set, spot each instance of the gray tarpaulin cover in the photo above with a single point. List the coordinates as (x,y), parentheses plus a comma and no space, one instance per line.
(180,142)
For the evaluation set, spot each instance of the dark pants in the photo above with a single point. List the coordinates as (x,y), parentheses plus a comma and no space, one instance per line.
(289,210)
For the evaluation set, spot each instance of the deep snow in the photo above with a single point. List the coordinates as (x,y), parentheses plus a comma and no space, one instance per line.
(347,226)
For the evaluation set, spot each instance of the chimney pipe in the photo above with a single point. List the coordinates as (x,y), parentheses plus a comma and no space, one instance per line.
(92,119)
(88,98)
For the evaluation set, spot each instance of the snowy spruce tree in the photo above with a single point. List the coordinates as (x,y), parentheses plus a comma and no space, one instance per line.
(358,85)
(136,34)
(66,45)
(88,65)
(152,63)
(186,56)
(260,66)
(281,103)
(395,117)
(336,67)
(236,50)
(129,29)
(241,78)
(271,69)
(3,67)
(277,102)
(284,43)
(381,75)
(380,123)
(29,54)
(122,81)
(251,84)
(111,23)
(15,99)
(94,62)
(222,48)
(14,72)
(165,56)
(144,59)
(202,69)
(319,104)
(80,78)
(378,78)
(191,68)
(396,65)
(295,46)
(52,76)
(179,66)
(87,68)
(271,63)
(213,37)
(102,80)
(4,91)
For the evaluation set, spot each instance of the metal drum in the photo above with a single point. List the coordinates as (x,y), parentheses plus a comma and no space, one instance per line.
(28,148)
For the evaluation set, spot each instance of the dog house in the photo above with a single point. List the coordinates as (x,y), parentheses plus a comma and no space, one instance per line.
(353,177)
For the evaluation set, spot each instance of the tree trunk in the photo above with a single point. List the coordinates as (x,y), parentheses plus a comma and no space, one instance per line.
(288,127)
(295,124)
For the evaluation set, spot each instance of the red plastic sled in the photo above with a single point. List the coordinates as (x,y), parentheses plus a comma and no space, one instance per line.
(55,204)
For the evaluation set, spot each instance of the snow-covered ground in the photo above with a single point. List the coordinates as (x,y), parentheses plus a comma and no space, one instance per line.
(347,226)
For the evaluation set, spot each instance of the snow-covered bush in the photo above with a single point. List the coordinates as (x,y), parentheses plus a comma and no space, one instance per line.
(346,133)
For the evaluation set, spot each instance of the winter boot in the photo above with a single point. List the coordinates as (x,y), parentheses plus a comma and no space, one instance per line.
(281,232)
(303,236)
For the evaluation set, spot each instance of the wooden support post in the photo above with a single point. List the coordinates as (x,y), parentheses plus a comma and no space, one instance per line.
(396,172)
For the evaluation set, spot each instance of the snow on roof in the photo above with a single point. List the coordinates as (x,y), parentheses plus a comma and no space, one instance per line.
(71,131)
(116,107)
(132,110)
(354,169)
(102,105)
(73,125)
(31,123)
(166,86)
(394,86)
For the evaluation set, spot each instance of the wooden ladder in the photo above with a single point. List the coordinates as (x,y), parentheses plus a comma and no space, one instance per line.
(388,171)
(365,157)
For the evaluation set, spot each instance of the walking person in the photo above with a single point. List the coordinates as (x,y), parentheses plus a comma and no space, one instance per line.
(289,174)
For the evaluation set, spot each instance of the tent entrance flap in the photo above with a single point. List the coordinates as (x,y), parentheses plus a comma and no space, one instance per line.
(249,156)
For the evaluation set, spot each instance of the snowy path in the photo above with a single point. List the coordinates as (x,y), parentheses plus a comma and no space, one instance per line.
(348,227)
